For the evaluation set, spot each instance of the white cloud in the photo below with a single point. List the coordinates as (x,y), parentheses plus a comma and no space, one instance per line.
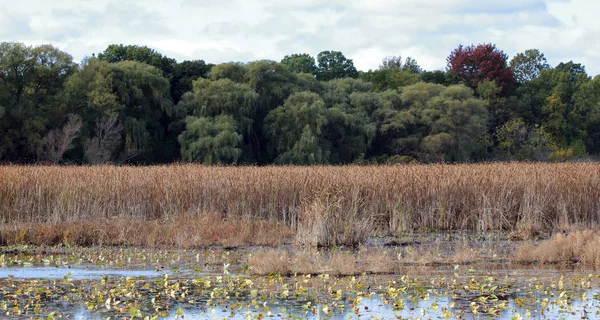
(365,31)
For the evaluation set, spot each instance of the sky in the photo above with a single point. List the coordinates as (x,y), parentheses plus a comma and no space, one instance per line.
(364,30)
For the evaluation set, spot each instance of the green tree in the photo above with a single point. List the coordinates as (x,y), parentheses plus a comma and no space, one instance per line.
(307,151)
(137,92)
(117,53)
(272,81)
(336,93)
(210,140)
(520,141)
(184,74)
(587,98)
(31,81)
(500,108)
(385,79)
(348,135)
(526,66)
(434,123)
(457,112)
(221,97)
(396,63)
(439,77)
(284,126)
(233,71)
(334,65)
(300,63)
(563,115)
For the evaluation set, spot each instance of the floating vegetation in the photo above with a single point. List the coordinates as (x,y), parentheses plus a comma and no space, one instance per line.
(114,283)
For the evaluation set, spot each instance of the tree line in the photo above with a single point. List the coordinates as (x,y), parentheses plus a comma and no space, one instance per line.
(131,104)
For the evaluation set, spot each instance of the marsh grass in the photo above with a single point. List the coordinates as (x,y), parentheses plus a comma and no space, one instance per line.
(365,259)
(181,231)
(321,205)
(580,246)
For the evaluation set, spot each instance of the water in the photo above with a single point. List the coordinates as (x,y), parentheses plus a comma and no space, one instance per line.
(74,273)
(80,293)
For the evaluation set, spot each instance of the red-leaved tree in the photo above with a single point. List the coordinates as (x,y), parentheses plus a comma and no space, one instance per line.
(474,64)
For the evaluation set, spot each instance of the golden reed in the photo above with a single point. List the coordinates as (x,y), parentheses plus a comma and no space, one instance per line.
(333,202)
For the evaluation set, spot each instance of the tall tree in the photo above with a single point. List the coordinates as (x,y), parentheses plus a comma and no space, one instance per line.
(117,53)
(301,117)
(233,71)
(473,64)
(300,63)
(138,92)
(221,97)
(210,99)
(446,78)
(210,140)
(31,81)
(396,63)
(434,123)
(526,66)
(184,74)
(333,65)
(562,113)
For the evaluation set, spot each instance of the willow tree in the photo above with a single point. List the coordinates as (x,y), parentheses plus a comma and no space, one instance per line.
(137,92)
(296,127)
(210,140)
(210,99)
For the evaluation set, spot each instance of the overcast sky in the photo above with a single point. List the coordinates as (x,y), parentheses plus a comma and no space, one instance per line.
(364,30)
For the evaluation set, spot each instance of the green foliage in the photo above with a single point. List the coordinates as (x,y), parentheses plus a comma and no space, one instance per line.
(522,142)
(184,74)
(526,66)
(136,91)
(134,104)
(118,53)
(434,123)
(31,80)
(285,125)
(272,81)
(384,79)
(305,152)
(334,65)
(221,97)
(563,114)
(439,77)
(233,71)
(300,63)
(210,140)
(396,63)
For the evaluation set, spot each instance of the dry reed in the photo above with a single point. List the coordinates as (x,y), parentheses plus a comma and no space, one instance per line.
(178,231)
(325,205)
(581,246)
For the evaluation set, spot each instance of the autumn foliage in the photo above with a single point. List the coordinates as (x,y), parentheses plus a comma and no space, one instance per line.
(473,64)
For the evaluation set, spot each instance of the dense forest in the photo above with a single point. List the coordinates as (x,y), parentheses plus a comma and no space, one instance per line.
(131,104)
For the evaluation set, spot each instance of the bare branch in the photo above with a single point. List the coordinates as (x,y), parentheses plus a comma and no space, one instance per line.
(99,149)
(59,141)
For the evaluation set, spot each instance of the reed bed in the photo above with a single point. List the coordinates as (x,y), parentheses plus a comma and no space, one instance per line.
(325,205)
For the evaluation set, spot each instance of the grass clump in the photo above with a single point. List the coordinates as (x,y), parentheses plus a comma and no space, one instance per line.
(580,246)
